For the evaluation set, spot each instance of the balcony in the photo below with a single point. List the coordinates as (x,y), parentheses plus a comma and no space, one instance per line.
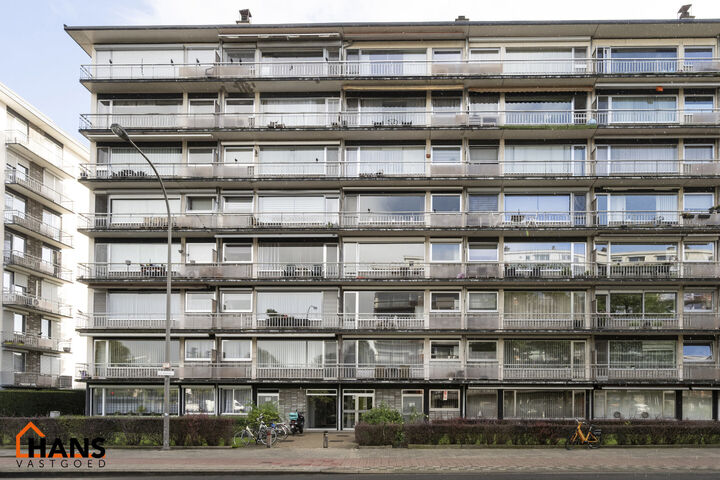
(33,303)
(37,228)
(35,380)
(363,69)
(36,265)
(372,170)
(564,372)
(37,190)
(640,372)
(659,270)
(34,342)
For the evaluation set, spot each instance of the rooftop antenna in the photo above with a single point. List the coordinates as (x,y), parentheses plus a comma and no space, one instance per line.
(684,12)
(245,16)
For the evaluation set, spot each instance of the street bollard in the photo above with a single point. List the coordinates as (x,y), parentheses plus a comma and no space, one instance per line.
(325,439)
(268,439)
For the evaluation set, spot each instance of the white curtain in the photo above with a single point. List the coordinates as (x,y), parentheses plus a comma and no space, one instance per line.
(538,61)
(137,304)
(290,352)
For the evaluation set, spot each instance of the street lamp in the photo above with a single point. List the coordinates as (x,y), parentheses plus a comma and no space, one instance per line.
(123,135)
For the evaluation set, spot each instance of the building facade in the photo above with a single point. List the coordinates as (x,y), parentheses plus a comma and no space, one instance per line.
(478,219)
(39,297)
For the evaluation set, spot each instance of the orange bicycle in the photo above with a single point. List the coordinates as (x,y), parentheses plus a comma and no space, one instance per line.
(578,437)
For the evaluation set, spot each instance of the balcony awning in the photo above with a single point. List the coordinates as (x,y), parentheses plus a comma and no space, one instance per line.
(529,89)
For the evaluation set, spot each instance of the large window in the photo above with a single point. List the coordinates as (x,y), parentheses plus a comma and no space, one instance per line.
(444,404)
(386,160)
(383,352)
(199,349)
(299,353)
(235,400)
(697,405)
(482,301)
(482,351)
(236,350)
(236,301)
(637,208)
(199,400)
(384,303)
(199,301)
(544,404)
(445,301)
(482,252)
(132,400)
(544,159)
(237,253)
(134,352)
(634,404)
(481,403)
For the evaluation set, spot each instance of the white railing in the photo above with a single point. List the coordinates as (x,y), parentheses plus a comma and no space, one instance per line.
(36,303)
(397,68)
(31,262)
(543,321)
(12,176)
(659,270)
(22,219)
(35,380)
(36,144)
(85,371)
(631,321)
(362,371)
(34,341)
(640,371)
(545,372)
(296,371)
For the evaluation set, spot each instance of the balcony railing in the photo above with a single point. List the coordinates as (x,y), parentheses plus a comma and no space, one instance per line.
(13,177)
(398,119)
(398,220)
(37,145)
(407,371)
(22,259)
(350,69)
(364,170)
(35,380)
(34,341)
(36,303)
(37,225)
(400,270)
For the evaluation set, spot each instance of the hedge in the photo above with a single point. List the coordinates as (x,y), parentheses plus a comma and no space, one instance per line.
(190,430)
(32,403)
(500,432)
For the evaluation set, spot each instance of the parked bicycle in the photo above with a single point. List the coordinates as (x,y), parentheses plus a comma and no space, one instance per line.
(578,437)
(243,437)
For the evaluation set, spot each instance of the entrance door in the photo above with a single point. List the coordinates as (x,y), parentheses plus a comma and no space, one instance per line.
(355,404)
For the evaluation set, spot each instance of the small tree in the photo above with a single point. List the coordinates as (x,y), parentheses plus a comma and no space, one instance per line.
(269,412)
(382,414)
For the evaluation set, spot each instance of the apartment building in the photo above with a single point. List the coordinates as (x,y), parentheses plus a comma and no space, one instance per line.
(476,219)
(39,298)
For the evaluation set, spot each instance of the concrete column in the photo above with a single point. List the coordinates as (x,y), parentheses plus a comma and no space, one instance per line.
(680,356)
(500,357)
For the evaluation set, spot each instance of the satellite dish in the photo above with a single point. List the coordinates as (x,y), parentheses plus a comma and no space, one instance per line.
(684,12)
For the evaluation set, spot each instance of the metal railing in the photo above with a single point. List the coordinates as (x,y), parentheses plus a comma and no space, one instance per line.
(86,371)
(36,380)
(537,168)
(398,68)
(37,264)
(658,270)
(12,176)
(34,341)
(37,225)
(36,303)
(545,372)
(640,371)
(38,145)
(397,220)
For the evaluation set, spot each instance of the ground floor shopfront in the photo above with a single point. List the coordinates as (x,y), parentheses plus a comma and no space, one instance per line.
(342,406)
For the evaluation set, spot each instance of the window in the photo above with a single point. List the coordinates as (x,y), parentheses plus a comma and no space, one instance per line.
(445,252)
(444,400)
(544,404)
(199,349)
(200,204)
(46,328)
(18,362)
(698,103)
(447,55)
(239,155)
(446,154)
(482,301)
(698,301)
(18,323)
(235,400)
(200,252)
(444,350)
(199,301)
(201,155)
(239,105)
(445,301)
(483,154)
(268,397)
(197,106)
(481,403)
(699,252)
(237,253)
(236,301)
(482,351)
(236,350)
(482,252)
(15,205)
(122,401)
(639,404)
(483,203)
(697,405)
(698,153)
(412,404)
(446,203)
(17,245)
(199,400)
(698,202)
(238,204)
(698,351)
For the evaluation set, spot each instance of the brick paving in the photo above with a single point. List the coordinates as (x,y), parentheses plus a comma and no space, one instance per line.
(305,454)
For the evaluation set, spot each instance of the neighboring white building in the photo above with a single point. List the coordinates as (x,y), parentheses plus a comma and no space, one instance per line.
(42,247)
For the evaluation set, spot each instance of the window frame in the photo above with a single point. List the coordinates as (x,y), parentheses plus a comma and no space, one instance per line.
(497,252)
(471,310)
(248,292)
(445,342)
(439,409)
(481,360)
(187,296)
(188,199)
(224,253)
(234,359)
(454,292)
(198,359)
(448,242)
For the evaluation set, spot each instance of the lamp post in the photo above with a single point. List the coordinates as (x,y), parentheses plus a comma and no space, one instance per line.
(167,372)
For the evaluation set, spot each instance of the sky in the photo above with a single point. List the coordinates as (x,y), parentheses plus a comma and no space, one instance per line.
(41,62)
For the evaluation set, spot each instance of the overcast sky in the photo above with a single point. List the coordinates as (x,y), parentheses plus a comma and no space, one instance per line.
(41,63)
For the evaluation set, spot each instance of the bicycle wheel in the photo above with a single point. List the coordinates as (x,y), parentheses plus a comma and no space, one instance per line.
(593,441)
(571,440)
(262,435)
(241,439)
(282,431)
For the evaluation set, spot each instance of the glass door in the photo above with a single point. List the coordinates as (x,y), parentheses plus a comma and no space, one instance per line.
(322,409)
(355,404)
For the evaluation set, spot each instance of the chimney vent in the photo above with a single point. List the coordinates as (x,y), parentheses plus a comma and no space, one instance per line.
(462,18)
(245,16)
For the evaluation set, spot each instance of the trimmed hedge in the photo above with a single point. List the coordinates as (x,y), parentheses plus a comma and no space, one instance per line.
(500,432)
(190,430)
(38,403)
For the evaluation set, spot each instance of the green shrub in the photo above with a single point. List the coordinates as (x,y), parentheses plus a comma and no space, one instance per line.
(382,414)
(269,412)
(39,403)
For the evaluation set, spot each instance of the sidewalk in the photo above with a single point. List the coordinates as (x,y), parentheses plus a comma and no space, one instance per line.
(302,456)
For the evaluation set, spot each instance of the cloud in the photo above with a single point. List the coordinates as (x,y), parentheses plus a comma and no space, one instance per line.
(176,12)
